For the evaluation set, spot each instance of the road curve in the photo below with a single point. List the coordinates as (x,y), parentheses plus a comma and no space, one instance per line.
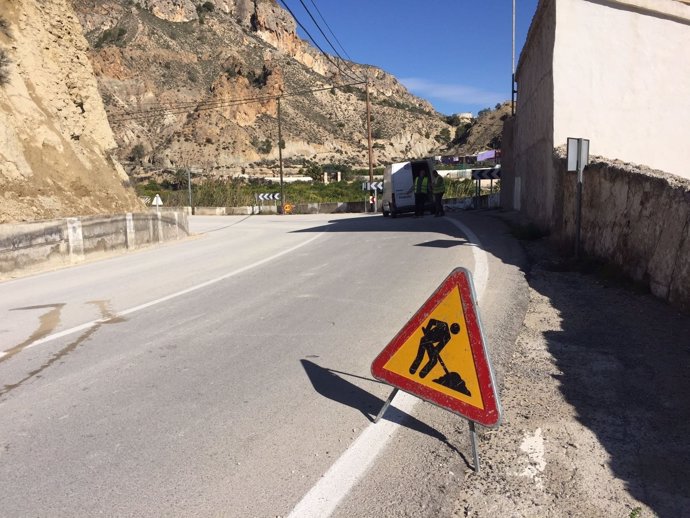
(225,375)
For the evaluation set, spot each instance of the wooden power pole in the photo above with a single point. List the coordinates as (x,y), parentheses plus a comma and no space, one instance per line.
(371,160)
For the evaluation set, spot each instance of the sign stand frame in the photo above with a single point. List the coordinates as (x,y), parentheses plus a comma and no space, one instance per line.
(473,430)
(386,405)
(473,441)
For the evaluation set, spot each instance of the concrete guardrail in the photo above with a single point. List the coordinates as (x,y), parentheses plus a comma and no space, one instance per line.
(25,247)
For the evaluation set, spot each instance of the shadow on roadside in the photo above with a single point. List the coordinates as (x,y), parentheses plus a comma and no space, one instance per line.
(337,389)
(625,363)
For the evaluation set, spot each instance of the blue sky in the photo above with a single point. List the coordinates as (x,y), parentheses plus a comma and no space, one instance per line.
(454,53)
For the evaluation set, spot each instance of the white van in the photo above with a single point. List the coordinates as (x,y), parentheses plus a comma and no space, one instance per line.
(398,186)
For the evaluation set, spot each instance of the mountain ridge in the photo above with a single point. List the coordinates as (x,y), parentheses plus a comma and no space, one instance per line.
(241,50)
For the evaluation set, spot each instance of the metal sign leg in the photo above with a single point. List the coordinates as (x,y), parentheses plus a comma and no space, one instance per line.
(386,405)
(473,440)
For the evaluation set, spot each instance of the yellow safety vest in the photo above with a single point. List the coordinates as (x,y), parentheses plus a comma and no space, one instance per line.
(439,185)
(423,185)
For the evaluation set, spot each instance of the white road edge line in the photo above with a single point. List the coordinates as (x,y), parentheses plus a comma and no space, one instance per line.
(336,483)
(134,309)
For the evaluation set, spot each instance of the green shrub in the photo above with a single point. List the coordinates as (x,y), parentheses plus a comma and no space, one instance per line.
(262,146)
(259,79)
(138,152)
(114,36)
(5,27)
(312,170)
(203,9)
(443,136)
(4,65)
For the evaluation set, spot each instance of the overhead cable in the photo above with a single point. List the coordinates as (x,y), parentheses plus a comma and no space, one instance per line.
(331,31)
(349,67)
(185,107)
(325,54)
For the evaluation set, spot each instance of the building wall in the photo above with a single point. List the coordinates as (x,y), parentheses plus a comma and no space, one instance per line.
(618,73)
(621,70)
(532,147)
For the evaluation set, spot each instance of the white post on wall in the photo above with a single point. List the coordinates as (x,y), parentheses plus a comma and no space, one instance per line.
(129,236)
(75,239)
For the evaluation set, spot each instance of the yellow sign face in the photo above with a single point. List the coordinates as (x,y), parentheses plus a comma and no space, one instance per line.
(438,354)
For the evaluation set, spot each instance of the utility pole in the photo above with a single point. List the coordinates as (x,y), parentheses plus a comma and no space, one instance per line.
(280,161)
(512,81)
(371,160)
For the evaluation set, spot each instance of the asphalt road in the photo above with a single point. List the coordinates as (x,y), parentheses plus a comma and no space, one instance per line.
(228,374)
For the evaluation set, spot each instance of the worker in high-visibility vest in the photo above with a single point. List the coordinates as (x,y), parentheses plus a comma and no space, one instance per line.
(421,191)
(438,187)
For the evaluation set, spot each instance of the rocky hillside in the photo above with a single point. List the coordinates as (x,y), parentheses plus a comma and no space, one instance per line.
(55,142)
(156,85)
(193,82)
(479,134)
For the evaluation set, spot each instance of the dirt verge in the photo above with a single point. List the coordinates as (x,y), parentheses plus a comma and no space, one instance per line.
(596,405)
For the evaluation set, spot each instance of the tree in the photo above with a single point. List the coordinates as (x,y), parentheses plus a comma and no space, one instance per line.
(312,170)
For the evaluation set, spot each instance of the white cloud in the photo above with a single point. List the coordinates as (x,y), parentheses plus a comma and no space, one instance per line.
(453,93)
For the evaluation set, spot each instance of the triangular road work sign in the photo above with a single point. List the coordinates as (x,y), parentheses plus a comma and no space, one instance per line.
(440,355)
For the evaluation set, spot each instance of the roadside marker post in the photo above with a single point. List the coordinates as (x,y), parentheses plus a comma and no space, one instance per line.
(157,202)
(493,173)
(440,357)
(578,158)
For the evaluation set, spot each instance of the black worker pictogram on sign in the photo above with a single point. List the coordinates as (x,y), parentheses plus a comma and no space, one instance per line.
(440,354)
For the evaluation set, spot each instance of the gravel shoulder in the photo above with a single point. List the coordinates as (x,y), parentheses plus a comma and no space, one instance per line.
(596,405)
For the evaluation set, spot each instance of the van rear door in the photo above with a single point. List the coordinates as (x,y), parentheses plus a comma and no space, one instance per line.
(402,185)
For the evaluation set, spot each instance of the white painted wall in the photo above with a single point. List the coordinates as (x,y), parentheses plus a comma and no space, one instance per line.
(621,74)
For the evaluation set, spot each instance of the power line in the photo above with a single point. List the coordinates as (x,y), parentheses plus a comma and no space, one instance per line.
(330,30)
(326,37)
(325,54)
(184,107)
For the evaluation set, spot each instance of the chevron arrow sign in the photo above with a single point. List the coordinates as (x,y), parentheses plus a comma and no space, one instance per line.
(370,186)
(269,196)
(486,174)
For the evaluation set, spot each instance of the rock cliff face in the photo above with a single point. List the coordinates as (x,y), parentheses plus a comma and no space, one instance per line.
(55,140)
(194,83)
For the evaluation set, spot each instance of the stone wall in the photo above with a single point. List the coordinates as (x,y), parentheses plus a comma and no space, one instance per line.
(635,218)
